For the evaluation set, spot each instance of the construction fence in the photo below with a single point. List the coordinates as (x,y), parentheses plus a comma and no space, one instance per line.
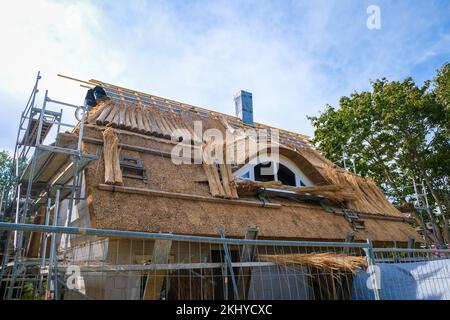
(111,264)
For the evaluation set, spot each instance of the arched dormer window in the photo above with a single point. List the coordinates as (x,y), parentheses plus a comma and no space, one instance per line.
(274,169)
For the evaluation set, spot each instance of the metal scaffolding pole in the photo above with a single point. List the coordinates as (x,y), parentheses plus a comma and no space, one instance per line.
(52,276)
(45,236)
(17,247)
(372,270)
(71,202)
(230,267)
(44,240)
(75,181)
(29,106)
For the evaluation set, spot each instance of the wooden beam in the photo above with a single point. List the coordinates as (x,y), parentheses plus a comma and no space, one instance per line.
(185,196)
(130,147)
(155,278)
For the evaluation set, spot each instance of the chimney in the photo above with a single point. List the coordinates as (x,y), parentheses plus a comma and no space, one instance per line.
(244,106)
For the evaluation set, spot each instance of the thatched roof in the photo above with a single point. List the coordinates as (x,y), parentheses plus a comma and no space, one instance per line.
(177,197)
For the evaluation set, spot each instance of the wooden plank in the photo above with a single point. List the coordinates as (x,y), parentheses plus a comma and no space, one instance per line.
(139,148)
(185,196)
(155,279)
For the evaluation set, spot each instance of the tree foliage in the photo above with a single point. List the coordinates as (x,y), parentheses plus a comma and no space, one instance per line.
(8,179)
(395,133)
(6,169)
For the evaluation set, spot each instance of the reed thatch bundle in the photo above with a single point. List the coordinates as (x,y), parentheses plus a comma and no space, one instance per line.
(100,108)
(327,261)
(334,192)
(369,198)
(113,174)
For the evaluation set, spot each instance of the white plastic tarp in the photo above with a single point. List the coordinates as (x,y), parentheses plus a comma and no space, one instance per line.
(425,280)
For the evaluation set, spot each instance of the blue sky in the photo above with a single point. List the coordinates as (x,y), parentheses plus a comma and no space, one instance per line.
(294,56)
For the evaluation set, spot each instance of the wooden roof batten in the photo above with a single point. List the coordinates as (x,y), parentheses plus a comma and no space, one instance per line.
(174,105)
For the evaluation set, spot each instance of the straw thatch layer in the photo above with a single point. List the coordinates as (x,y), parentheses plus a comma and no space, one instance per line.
(149,120)
(337,193)
(369,198)
(327,261)
(113,174)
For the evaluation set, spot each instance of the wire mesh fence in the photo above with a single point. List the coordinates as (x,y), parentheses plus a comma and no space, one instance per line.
(101,264)
(413,273)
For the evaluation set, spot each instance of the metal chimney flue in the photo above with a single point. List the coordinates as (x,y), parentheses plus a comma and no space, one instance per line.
(244,106)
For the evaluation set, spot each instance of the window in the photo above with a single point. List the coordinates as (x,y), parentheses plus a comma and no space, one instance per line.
(259,173)
(284,170)
(286,176)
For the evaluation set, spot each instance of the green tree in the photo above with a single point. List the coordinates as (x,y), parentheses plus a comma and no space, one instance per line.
(442,87)
(8,177)
(397,132)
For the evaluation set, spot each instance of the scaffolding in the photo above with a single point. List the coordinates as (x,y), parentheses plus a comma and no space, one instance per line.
(156,266)
(51,175)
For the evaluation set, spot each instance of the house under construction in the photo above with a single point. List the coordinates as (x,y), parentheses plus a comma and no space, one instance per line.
(114,170)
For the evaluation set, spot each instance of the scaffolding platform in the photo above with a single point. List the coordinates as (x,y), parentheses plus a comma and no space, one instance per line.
(54,167)
(50,117)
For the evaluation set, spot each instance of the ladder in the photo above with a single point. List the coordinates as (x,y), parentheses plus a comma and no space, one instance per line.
(421,204)
(354,218)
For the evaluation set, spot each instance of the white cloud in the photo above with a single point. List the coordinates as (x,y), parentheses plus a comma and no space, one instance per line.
(295,57)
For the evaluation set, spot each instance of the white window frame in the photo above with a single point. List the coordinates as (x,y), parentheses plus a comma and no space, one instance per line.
(249,168)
